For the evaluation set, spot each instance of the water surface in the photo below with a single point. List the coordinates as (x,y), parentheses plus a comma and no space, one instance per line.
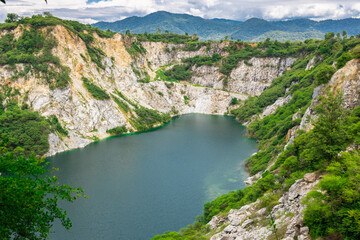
(144,184)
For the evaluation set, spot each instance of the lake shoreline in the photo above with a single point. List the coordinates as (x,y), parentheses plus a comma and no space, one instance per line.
(154,128)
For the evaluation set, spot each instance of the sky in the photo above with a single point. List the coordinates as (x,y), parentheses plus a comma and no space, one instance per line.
(91,11)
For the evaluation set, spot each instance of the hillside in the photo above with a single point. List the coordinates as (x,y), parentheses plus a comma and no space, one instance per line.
(215,29)
(64,85)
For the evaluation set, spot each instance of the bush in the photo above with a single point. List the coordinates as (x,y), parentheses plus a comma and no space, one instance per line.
(324,74)
(178,73)
(147,118)
(24,131)
(95,91)
(234,101)
(117,130)
(343,59)
(56,126)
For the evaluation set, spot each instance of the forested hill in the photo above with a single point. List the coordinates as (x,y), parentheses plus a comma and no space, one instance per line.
(215,29)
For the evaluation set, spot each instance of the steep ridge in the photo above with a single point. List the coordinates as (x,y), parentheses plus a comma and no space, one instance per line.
(253,29)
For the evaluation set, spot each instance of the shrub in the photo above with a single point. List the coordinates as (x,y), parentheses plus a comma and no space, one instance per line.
(117,130)
(95,91)
(178,73)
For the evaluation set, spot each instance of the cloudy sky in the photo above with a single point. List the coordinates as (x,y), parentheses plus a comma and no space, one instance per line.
(90,11)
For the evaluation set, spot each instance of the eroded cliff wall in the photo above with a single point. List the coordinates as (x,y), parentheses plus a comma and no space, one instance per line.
(87,119)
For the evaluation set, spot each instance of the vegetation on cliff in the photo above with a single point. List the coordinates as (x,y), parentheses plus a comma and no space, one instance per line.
(329,212)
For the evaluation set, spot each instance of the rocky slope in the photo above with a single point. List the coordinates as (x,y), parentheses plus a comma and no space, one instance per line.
(87,119)
(254,221)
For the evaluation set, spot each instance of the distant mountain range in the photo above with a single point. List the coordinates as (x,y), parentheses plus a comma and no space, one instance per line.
(254,29)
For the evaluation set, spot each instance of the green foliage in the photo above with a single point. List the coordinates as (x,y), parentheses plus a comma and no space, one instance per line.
(165,38)
(243,52)
(144,80)
(120,94)
(136,48)
(29,197)
(335,210)
(122,105)
(117,130)
(147,118)
(194,45)
(324,74)
(38,21)
(186,99)
(277,89)
(95,91)
(56,126)
(96,55)
(12,17)
(283,36)
(343,59)
(34,48)
(320,74)
(234,101)
(23,131)
(178,73)
(203,60)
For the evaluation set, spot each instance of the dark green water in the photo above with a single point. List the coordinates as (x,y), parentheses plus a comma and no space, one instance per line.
(142,185)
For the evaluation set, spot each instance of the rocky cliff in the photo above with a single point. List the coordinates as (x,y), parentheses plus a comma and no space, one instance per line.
(87,119)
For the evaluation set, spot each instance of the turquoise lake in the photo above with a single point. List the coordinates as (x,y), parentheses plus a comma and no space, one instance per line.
(145,184)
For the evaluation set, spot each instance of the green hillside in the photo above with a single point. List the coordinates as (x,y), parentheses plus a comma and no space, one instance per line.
(215,29)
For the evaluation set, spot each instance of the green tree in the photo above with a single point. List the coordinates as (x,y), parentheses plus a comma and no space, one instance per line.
(335,210)
(321,146)
(12,17)
(330,127)
(324,74)
(29,197)
(344,34)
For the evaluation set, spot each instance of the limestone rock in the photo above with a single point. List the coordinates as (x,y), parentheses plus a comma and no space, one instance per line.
(310,64)
(287,214)
(347,80)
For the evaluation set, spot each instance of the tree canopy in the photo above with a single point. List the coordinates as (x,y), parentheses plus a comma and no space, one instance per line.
(29,197)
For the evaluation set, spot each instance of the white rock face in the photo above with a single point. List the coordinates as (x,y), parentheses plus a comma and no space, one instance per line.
(310,64)
(253,80)
(249,222)
(347,80)
(269,110)
(87,119)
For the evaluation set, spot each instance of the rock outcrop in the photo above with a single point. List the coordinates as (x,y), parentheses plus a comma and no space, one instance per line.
(249,77)
(254,222)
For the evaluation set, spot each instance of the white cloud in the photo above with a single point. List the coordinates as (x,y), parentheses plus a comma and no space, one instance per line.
(111,10)
(321,10)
